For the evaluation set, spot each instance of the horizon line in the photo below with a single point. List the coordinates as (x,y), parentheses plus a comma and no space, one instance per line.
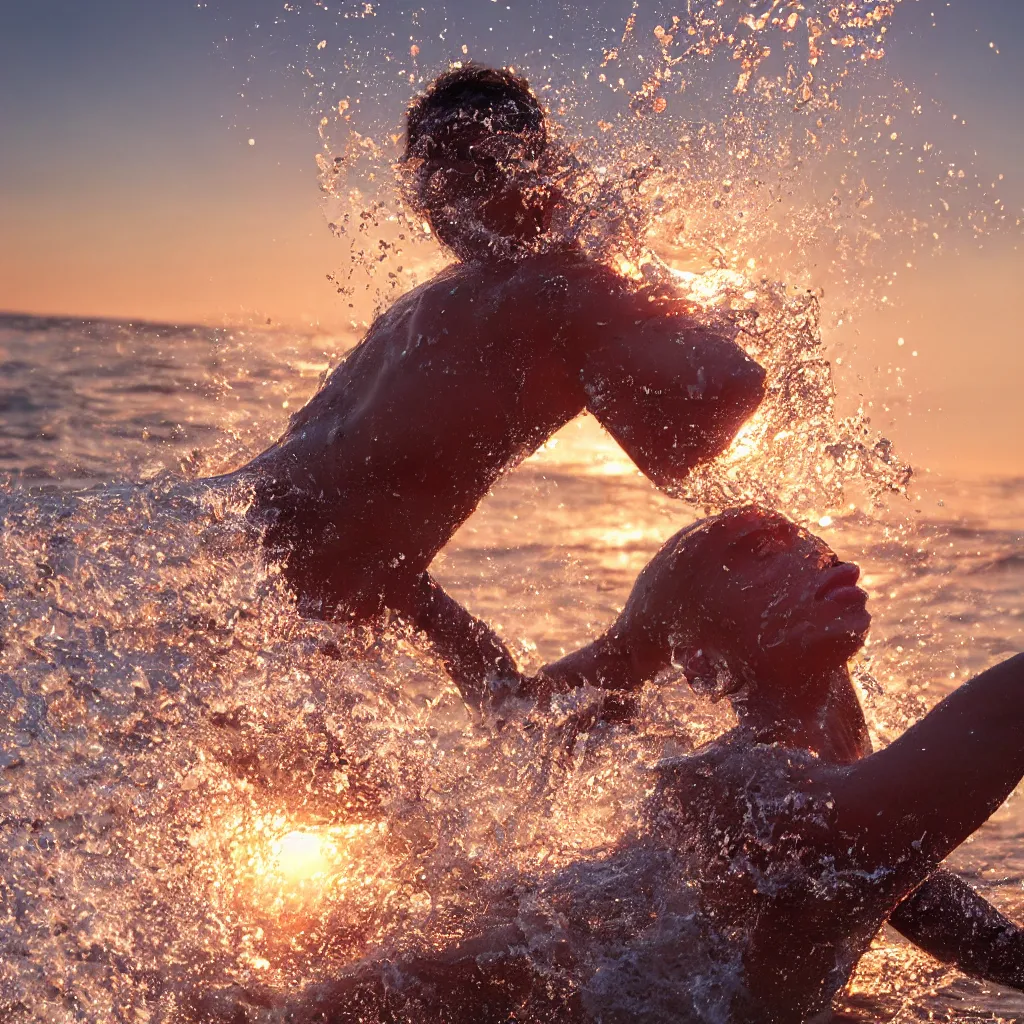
(54,319)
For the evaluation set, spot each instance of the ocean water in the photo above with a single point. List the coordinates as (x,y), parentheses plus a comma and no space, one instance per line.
(179,750)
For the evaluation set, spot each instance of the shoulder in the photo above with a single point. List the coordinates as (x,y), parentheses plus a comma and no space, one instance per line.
(454,276)
(569,285)
(760,808)
(777,780)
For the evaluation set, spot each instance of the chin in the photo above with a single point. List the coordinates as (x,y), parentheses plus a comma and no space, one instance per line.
(840,638)
(848,639)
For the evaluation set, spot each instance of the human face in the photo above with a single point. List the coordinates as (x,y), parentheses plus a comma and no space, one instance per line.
(475,180)
(783,601)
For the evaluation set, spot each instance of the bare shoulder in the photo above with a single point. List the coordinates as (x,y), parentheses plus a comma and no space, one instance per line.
(557,294)
(427,293)
(733,772)
(567,286)
(571,285)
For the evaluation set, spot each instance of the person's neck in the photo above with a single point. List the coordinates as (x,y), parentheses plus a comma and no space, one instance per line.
(820,712)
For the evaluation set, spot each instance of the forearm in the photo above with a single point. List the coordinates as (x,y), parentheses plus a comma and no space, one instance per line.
(602,663)
(472,653)
(949,920)
(673,394)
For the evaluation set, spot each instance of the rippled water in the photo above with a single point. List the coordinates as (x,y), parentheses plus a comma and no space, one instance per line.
(178,749)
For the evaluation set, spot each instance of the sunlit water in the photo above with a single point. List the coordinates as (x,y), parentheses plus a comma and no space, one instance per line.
(198,787)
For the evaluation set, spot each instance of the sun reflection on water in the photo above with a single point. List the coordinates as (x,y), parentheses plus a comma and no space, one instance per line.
(275,868)
(304,856)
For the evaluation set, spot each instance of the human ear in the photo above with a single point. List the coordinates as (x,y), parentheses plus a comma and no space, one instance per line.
(697,666)
(707,672)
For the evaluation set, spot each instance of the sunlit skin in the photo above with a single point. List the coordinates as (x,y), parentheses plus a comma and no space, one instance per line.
(464,377)
(756,608)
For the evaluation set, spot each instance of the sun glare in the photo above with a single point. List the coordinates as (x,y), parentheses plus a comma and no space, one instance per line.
(304,856)
(280,868)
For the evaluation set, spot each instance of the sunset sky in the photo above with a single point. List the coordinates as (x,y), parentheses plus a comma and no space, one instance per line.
(129,187)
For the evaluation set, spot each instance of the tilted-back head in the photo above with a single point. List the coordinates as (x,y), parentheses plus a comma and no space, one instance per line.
(758,609)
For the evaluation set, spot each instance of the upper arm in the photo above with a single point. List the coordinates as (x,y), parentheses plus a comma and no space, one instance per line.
(672,393)
(913,803)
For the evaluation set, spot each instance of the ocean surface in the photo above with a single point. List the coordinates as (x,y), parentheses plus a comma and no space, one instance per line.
(171,728)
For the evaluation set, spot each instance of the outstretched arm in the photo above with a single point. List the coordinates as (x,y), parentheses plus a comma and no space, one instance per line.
(909,806)
(604,664)
(486,673)
(672,393)
(946,918)
(957,926)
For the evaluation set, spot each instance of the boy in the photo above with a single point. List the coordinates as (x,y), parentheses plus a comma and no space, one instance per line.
(467,375)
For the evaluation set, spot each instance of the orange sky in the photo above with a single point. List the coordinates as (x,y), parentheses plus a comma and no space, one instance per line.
(960,409)
(129,190)
(252,248)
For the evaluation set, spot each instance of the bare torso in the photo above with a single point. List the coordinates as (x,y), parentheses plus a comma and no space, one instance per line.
(460,380)
(755,826)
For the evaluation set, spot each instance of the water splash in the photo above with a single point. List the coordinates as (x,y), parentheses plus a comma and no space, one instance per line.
(793,454)
(174,735)
(169,721)
(178,745)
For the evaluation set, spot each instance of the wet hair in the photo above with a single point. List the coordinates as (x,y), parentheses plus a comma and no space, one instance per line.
(476,92)
(448,130)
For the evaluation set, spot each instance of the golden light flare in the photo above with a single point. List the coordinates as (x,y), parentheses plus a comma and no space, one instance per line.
(746,442)
(273,868)
(304,856)
(711,286)
(294,867)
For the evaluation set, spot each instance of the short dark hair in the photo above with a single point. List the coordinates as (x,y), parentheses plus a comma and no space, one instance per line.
(500,95)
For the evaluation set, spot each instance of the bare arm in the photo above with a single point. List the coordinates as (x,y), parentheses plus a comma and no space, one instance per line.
(673,394)
(946,918)
(604,664)
(472,653)
(486,673)
(908,806)
(949,920)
